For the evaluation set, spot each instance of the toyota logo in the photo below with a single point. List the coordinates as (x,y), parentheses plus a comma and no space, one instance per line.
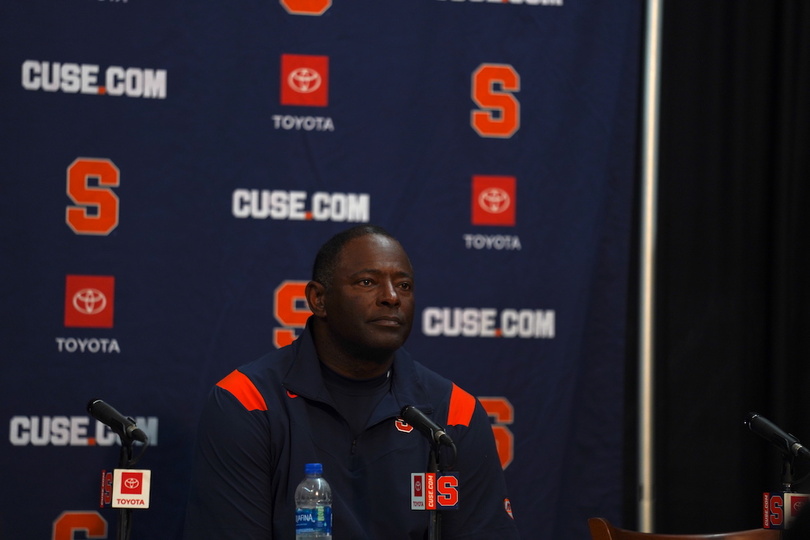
(494,200)
(304,80)
(132,483)
(89,301)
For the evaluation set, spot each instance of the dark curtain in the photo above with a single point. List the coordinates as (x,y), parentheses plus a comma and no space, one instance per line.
(732,266)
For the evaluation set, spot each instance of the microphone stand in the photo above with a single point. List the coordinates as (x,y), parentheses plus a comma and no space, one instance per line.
(435,523)
(437,465)
(787,474)
(126,461)
(125,514)
(437,438)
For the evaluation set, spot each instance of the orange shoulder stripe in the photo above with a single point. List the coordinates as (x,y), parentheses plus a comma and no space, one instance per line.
(243,389)
(462,405)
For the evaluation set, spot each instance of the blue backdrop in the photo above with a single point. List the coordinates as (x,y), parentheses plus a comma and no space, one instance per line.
(170,169)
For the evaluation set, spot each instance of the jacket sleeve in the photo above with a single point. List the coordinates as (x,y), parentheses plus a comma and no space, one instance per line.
(484,510)
(230,495)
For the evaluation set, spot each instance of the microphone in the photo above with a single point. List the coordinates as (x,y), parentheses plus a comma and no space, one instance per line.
(124,426)
(786,442)
(417,419)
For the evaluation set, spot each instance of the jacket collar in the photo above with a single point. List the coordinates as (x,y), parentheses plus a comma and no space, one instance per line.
(304,379)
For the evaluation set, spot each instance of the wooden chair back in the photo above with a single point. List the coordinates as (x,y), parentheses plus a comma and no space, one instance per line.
(601,529)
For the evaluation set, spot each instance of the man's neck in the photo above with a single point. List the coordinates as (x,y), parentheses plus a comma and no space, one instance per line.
(351,364)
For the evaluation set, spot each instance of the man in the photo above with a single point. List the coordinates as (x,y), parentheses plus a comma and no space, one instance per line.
(334,397)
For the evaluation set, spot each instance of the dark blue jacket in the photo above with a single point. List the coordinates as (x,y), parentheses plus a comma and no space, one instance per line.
(266,420)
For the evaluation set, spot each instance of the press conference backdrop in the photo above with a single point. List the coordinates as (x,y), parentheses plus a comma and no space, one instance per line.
(170,169)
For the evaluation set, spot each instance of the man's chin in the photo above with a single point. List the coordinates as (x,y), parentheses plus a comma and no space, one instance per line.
(381,349)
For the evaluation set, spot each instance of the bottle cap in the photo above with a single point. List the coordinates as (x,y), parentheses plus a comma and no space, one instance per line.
(313,468)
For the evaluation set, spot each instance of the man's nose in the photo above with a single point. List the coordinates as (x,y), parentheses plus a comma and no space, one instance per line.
(389,296)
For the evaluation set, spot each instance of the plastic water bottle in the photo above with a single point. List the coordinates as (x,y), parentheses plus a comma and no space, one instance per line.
(313,505)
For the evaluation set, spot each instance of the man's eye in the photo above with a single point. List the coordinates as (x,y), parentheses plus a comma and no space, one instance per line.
(406,286)
(365,282)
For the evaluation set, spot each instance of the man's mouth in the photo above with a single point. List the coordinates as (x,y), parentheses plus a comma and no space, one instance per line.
(388,321)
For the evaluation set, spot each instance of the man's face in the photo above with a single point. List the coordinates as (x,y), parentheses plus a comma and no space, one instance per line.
(369,306)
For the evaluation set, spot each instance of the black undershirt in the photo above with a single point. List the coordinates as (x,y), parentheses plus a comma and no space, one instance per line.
(356,399)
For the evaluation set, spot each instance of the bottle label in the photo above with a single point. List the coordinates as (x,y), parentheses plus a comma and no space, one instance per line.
(317,520)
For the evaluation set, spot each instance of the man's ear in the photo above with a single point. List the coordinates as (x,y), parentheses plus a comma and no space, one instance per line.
(315,298)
